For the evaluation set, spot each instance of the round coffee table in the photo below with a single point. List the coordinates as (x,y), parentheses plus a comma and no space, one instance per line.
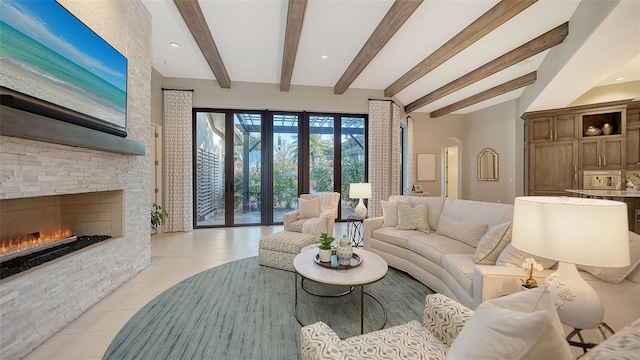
(372,269)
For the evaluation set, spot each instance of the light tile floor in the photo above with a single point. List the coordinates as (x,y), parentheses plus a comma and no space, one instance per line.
(174,257)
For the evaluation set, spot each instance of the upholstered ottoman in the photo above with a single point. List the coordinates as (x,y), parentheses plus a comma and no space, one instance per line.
(279,249)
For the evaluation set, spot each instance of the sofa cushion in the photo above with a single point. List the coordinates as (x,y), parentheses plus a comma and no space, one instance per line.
(523,325)
(434,247)
(461,230)
(308,209)
(390,210)
(435,204)
(407,341)
(624,344)
(617,274)
(396,237)
(480,212)
(460,267)
(513,257)
(413,218)
(492,244)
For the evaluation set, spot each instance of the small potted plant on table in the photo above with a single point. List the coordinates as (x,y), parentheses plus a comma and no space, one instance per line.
(325,247)
(530,266)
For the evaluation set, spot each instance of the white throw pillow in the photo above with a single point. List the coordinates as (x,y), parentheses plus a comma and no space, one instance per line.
(492,244)
(390,211)
(617,274)
(513,257)
(413,218)
(523,325)
(463,231)
(308,209)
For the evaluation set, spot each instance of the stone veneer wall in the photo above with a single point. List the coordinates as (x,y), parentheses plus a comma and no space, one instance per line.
(36,305)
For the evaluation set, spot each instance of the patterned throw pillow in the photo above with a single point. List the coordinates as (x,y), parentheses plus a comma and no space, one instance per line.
(513,257)
(463,231)
(308,209)
(390,211)
(492,244)
(617,274)
(413,218)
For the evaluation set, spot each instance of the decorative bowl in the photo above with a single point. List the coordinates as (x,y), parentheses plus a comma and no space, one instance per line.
(592,131)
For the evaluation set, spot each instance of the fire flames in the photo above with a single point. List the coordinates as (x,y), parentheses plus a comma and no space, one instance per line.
(14,244)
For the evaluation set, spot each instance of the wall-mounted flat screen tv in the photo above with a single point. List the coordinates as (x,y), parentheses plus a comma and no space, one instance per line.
(54,65)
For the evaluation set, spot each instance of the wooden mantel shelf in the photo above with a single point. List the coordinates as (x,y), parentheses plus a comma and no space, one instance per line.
(22,124)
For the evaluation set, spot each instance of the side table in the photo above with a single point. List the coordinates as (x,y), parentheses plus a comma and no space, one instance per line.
(355,230)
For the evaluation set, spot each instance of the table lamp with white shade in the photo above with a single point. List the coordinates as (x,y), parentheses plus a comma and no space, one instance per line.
(360,191)
(573,231)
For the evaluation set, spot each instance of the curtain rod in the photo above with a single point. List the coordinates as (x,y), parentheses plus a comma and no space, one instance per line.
(191,90)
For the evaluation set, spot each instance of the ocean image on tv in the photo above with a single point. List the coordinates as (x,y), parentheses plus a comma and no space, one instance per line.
(47,53)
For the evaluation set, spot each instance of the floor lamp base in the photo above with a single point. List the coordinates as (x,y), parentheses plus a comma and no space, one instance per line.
(603,328)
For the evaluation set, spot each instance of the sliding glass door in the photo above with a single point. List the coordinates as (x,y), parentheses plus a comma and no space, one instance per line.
(251,166)
(321,153)
(285,164)
(227,188)
(352,155)
(247,168)
(209,173)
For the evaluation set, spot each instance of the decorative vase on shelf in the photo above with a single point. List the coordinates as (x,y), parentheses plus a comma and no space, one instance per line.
(344,251)
(607,129)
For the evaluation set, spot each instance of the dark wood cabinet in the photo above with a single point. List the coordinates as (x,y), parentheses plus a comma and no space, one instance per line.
(558,147)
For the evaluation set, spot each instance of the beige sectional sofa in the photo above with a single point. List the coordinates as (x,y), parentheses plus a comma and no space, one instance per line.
(442,255)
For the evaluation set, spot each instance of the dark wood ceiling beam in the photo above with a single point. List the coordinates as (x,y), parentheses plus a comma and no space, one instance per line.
(295,15)
(397,15)
(192,14)
(489,21)
(525,51)
(503,88)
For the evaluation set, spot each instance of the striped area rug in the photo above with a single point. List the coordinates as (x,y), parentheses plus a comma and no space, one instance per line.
(242,310)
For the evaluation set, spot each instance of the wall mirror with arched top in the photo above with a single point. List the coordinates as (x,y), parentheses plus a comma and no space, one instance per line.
(488,165)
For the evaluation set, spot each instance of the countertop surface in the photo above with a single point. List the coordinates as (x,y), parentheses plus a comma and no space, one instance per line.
(607,193)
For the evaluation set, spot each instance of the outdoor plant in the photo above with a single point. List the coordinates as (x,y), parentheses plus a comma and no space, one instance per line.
(325,241)
(158,216)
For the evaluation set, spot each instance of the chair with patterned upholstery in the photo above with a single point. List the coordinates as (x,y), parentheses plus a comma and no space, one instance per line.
(316,214)
(523,325)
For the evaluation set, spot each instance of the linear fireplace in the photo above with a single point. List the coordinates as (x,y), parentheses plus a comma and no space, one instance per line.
(34,224)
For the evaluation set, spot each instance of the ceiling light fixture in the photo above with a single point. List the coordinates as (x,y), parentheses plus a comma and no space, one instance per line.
(174,44)
(620,78)
(324,57)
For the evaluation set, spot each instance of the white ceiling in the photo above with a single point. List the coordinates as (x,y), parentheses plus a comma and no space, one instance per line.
(250,34)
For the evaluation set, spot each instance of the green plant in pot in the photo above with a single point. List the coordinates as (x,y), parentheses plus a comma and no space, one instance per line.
(325,247)
(158,216)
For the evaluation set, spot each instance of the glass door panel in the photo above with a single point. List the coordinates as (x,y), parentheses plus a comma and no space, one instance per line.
(321,153)
(352,145)
(285,164)
(247,168)
(209,169)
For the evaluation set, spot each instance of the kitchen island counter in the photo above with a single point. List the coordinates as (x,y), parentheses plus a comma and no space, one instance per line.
(631,198)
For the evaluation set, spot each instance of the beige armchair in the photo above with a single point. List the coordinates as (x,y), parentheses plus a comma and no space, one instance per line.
(316,214)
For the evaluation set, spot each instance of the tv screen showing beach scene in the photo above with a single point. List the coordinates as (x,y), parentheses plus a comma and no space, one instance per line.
(48,54)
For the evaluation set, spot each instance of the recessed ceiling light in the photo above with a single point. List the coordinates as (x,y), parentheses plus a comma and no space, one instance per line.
(324,57)
(620,78)
(174,44)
